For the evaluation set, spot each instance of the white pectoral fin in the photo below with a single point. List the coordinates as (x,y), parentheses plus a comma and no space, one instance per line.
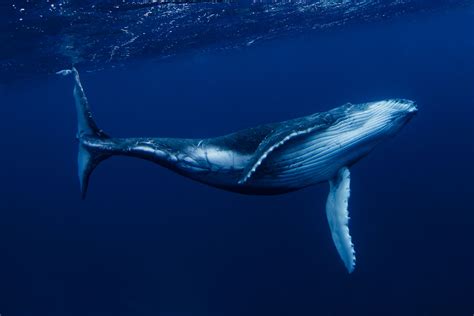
(338,217)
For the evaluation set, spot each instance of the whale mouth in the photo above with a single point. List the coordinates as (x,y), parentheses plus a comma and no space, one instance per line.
(412,109)
(411,106)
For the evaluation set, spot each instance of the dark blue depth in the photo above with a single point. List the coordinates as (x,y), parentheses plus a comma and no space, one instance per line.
(148,242)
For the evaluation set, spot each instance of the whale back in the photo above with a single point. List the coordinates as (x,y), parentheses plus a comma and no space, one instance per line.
(230,161)
(244,142)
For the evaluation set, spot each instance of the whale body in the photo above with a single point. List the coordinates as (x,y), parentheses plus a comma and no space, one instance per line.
(274,158)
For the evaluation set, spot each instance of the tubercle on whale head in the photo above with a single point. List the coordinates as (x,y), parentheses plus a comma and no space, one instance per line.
(404,110)
(398,111)
(403,105)
(396,105)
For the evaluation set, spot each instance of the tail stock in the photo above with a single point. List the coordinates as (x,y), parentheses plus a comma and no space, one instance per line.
(87,133)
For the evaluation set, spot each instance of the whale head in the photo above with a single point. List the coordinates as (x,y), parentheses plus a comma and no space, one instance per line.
(356,130)
(378,120)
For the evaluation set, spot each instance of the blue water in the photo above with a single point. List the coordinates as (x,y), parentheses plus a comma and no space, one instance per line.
(149,242)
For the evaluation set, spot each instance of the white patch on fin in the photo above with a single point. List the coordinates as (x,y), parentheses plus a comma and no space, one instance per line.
(338,216)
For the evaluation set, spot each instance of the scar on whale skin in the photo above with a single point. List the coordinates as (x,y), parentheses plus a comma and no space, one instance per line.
(269,159)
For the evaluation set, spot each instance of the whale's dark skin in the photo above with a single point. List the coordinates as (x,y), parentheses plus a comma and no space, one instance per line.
(269,159)
(189,157)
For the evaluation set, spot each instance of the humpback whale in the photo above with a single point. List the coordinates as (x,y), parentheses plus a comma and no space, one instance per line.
(274,158)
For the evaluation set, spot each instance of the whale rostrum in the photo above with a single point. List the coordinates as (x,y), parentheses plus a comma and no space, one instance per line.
(269,159)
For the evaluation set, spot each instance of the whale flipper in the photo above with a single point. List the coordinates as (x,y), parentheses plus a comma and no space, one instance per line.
(338,216)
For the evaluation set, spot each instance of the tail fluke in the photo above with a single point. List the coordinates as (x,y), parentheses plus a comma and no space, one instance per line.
(88,134)
(86,125)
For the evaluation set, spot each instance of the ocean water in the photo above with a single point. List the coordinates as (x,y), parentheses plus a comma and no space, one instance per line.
(149,242)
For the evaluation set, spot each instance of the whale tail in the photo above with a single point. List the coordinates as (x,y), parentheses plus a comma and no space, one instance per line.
(87,133)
